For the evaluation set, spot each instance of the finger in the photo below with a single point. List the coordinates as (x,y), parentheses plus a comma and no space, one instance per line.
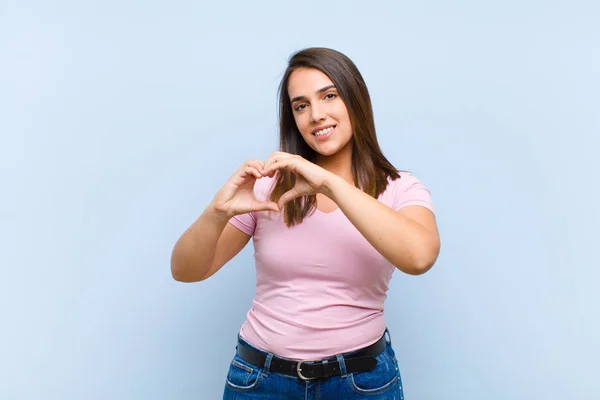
(258,164)
(270,161)
(287,197)
(251,171)
(266,206)
(275,158)
(278,164)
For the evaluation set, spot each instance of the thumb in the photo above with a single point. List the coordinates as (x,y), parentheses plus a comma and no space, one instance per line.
(288,196)
(267,206)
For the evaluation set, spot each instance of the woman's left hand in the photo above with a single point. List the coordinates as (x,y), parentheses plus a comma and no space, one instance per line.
(310,178)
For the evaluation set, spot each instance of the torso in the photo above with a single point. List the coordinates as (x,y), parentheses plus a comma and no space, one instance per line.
(320,285)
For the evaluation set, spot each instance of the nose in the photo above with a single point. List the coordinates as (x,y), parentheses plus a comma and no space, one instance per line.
(317,113)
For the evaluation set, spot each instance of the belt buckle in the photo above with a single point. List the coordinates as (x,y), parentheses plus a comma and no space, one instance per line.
(299,371)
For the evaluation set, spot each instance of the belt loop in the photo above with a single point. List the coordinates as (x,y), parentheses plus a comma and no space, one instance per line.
(267,365)
(388,337)
(342,363)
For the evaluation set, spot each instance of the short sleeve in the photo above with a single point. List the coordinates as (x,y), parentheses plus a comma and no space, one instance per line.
(410,191)
(247,222)
(244,222)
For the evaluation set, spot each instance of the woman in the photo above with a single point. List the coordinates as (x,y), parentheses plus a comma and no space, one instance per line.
(331,219)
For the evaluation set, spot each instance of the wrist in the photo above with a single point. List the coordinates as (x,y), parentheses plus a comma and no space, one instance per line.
(216,214)
(330,185)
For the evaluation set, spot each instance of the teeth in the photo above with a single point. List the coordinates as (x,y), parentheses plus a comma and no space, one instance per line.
(324,131)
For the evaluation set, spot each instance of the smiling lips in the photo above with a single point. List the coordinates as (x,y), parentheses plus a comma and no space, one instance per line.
(324,133)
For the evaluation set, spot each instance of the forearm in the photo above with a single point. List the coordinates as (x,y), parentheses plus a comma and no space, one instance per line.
(407,244)
(194,252)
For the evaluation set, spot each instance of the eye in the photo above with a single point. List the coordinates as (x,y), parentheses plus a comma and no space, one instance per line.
(300,107)
(330,95)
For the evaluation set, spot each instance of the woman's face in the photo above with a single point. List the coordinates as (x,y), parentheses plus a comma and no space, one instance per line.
(321,115)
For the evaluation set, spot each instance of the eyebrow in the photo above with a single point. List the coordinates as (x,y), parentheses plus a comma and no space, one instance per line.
(318,91)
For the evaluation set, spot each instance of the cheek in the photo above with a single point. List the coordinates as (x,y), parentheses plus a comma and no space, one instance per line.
(342,112)
(301,123)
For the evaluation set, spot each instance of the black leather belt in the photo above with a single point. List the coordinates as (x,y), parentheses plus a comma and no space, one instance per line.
(356,361)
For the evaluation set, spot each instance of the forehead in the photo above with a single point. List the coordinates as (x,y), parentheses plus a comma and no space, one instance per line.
(306,81)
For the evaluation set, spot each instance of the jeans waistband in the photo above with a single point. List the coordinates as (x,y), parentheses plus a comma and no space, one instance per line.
(332,357)
(359,360)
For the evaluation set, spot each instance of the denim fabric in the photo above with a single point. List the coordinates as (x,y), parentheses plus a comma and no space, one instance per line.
(247,381)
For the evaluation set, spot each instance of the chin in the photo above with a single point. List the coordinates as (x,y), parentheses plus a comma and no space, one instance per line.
(327,152)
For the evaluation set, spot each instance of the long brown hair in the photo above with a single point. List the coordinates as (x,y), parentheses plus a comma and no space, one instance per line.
(370,168)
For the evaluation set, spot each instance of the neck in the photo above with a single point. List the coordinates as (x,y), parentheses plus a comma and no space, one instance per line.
(339,163)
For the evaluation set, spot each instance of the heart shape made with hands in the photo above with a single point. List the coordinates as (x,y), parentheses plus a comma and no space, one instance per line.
(310,178)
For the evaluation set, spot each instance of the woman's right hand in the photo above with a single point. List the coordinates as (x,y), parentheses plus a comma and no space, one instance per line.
(237,195)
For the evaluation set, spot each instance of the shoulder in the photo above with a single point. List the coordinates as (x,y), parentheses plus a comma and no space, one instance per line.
(406,190)
(405,178)
(404,182)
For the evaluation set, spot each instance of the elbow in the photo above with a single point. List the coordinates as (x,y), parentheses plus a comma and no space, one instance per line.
(419,268)
(414,266)
(423,261)
(177,269)
(180,275)
(177,272)
(182,272)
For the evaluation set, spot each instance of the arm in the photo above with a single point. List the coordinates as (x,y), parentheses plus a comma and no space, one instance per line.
(208,244)
(211,241)
(408,238)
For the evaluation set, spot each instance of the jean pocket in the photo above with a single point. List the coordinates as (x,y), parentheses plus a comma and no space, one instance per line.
(384,377)
(243,376)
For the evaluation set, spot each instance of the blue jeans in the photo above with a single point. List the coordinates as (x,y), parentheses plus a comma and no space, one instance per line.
(247,381)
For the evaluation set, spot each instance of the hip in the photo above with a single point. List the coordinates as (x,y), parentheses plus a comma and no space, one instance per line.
(371,372)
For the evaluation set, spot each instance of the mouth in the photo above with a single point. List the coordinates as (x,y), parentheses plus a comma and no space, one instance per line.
(323,132)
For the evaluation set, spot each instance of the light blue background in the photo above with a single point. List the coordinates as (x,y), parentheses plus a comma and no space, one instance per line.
(120,120)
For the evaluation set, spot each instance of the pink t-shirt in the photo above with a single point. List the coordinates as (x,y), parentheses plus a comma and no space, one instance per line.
(320,286)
